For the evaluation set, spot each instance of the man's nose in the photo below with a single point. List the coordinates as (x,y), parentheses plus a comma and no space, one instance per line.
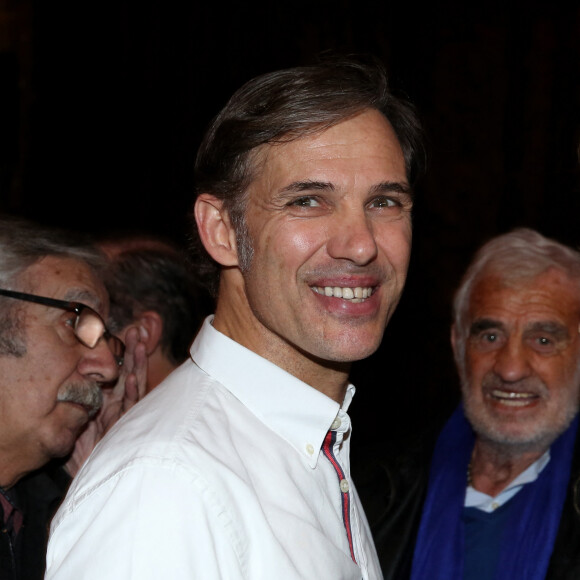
(511,362)
(99,363)
(352,238)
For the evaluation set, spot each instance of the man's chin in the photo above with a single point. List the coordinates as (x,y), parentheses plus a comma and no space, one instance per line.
(65,445)
(349,347)
(517,437)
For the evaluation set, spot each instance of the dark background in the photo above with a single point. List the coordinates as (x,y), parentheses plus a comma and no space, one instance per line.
(102,107)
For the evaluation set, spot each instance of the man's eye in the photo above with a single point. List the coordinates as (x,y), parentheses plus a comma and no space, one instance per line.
(543,341)
(70,320)
(384,201)
(305,201)
(486,338)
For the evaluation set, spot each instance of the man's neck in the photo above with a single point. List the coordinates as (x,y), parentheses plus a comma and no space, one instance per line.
(158,367)
(327,377)
(494,467)
(11,473)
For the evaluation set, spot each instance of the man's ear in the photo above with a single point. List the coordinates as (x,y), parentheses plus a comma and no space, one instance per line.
(453,337)
(215,229)
(455,346)
(152,322)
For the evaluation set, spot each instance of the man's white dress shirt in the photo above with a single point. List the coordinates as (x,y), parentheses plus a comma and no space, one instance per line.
(218,473)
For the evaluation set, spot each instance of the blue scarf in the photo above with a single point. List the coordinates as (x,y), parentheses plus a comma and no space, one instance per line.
(529,534)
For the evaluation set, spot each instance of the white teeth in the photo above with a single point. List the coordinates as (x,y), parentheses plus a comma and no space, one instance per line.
(511,395)
(513,399)
(357,294)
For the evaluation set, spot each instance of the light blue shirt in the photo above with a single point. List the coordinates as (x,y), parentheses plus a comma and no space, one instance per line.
(486,503)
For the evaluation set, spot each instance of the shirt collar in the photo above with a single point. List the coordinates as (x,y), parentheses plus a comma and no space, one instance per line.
(296,411)
(484,502)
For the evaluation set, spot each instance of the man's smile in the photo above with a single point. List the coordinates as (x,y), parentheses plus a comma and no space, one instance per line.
(512,398)
(356,295)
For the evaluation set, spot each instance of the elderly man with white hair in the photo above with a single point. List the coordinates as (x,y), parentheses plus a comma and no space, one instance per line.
(500,500)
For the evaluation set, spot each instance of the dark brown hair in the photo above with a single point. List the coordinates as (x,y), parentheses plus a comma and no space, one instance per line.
(285,105)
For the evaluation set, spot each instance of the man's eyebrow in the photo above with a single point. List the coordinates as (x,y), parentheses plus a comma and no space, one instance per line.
(392,187)
(308,185)
(84,296)
(384,187)
(551,327)
(482,324)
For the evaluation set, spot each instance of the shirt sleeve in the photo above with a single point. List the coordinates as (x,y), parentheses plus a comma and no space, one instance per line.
(147,522)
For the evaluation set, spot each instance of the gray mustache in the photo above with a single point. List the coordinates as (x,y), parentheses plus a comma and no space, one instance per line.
(529,384)
(89,395)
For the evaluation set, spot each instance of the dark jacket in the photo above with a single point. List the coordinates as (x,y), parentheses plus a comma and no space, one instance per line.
(38,496)
(393,490)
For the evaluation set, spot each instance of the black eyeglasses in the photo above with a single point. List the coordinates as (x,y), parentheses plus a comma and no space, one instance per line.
(88,326)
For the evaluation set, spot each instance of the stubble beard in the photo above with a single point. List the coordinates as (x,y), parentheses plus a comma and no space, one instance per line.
(535,434)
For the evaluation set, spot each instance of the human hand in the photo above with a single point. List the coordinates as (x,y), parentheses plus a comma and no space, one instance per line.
(118,398)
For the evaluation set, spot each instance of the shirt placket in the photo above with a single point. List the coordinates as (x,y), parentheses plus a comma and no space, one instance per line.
(331,450)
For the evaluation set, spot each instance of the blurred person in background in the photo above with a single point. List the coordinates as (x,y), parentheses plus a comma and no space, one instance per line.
(56,353)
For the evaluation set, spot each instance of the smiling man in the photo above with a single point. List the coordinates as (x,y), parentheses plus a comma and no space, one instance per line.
(237,466)
(502,494)
(55,352)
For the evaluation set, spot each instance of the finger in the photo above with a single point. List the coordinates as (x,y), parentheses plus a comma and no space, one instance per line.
(132,339)
(131,392)
(140,368)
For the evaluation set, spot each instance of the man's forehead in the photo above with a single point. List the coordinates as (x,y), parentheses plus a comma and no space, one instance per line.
(65,278)
(366,136)
(549,296)
(510,276)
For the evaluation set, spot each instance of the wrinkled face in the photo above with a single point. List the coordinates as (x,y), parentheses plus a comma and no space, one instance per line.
(329,221)
(521,375)
(45,394)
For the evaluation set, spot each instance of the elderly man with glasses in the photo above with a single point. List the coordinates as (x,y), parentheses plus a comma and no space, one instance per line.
(55,354)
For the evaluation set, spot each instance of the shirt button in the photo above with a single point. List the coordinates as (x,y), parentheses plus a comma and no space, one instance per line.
(309,449)
(336,424)
(344,487)
(494,505)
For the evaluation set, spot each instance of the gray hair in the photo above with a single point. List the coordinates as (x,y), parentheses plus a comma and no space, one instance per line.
(522,254)
(22,244)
